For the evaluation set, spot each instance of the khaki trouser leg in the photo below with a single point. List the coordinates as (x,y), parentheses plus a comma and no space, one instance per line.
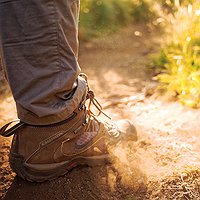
(38,41)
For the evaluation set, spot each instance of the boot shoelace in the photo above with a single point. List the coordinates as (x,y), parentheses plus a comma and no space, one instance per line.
(111,127)
(91,116)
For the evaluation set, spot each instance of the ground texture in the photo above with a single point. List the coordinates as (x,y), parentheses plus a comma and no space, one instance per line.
(164,163)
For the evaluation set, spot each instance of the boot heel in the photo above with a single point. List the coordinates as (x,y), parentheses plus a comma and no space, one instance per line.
(16,164)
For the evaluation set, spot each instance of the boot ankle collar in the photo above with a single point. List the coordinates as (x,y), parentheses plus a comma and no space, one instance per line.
(7,132)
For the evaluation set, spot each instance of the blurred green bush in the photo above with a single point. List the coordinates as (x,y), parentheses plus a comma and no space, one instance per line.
(104,16)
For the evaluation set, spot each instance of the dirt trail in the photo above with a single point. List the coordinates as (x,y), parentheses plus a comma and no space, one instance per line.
(163,164)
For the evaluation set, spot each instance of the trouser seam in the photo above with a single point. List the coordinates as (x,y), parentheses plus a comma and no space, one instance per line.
(58,41)
(56,24)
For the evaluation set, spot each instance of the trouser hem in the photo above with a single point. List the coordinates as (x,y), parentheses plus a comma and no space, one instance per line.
(67,108)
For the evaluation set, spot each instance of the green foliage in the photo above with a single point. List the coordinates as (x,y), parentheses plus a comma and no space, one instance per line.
(105,16)
(181,56)
(98,16)
(142,11)
(158,60)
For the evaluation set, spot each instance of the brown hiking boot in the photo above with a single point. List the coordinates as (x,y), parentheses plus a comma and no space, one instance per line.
(40,153)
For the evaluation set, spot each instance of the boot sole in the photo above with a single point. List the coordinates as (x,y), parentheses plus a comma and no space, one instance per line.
(44,172)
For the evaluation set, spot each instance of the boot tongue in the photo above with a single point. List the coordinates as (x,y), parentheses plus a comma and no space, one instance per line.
(93,126)
(90,132)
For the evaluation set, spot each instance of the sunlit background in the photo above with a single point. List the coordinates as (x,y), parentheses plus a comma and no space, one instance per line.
(178,60)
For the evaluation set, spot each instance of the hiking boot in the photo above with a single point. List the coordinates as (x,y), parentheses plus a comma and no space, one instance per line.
(40,153)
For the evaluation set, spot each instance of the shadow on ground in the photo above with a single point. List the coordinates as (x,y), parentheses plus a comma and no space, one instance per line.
(81,183)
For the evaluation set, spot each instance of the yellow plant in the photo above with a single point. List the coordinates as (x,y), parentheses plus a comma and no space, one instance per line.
(182,52)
